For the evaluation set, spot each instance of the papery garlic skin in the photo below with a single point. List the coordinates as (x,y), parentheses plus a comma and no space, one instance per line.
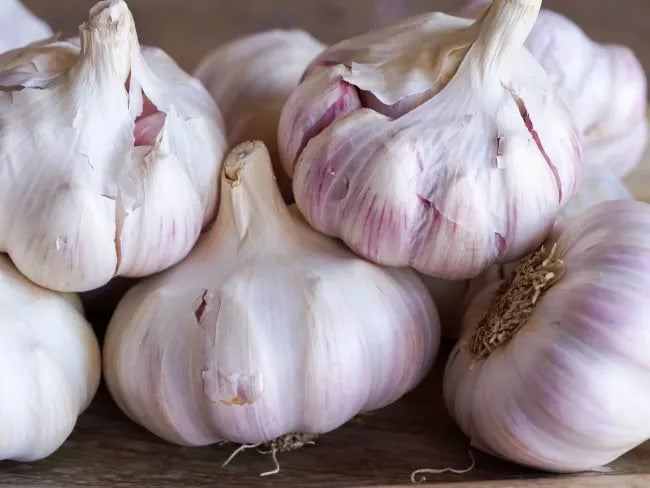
(266,328)
(604,86)
(109,156)
(435,143)
(598,184)
(50,370)
(251,78)
(18,26)
(570,391)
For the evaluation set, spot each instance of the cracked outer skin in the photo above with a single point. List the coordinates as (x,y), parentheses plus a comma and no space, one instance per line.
(473,173)
(109,156)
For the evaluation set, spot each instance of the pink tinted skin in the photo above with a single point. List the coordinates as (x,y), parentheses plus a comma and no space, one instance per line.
(148,124)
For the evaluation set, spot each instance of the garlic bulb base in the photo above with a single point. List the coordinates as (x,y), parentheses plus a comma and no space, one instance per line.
(515,301)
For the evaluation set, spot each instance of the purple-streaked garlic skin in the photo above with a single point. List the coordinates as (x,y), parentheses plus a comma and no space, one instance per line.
(400,188)
(603,85)
(571,390)
(598,184)
(267,327)
(251,78)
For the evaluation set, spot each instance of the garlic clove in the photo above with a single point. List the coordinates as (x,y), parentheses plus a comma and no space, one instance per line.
(552,368)
(18,26)
(266,328)
(250,90)
(51,366)
(98,134)
(603,85)
(398,187)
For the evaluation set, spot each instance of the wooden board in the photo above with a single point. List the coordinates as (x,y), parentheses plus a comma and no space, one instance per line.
(107,450)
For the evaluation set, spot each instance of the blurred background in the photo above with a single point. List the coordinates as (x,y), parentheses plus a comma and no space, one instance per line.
(187,29)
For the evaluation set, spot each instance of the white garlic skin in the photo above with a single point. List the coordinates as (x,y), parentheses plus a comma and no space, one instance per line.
(571,390)
(598,184)
(604,86)
(251,78)
(450,176)
(50,366)
(118,182)
(18,26)
(266,328)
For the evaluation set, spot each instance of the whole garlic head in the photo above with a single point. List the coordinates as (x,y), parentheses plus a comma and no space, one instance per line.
(109,156)
(604,86)
(50,369)
(251,78)
(266,328)
(553,369)
(18,26)
(436,143)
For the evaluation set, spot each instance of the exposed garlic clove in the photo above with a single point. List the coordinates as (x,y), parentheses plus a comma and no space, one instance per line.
(51,366)
(266,328)
(18,26)
(555,372)
(468,165)
(251,78)
(598,184)
(604,87)
(117,150)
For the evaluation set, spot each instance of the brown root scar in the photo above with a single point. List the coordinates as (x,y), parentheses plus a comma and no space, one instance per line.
(515,301)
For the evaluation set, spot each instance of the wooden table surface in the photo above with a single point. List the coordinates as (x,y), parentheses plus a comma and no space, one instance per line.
(107,450)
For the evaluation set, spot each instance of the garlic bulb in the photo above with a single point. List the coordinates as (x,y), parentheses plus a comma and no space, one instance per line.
(598,184)
(109,156)
(251,79)
(435,143)
(553,370)
(50,370)
(267,328)
(18,26)
(604,87)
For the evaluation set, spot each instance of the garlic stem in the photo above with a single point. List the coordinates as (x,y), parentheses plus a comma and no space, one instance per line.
(505,25)
(109,21)
(251,199)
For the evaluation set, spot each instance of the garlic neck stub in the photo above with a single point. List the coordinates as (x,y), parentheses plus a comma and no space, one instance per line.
(266,328)
(18,26)
(552,369)
(436,143)
(50,370)
(603,85)
(109,156)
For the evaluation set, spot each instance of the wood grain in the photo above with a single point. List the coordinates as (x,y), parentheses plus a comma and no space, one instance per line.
(107,450)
